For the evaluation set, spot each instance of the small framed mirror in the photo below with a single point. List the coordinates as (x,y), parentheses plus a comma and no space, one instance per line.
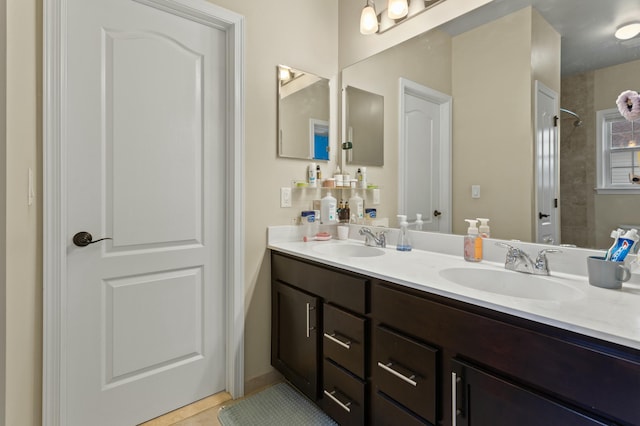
(364,127)
(303,114)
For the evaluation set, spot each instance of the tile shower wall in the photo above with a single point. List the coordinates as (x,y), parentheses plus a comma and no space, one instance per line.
(578,161)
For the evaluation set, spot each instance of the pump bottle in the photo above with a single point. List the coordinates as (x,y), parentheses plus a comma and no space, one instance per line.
(472,242)
(357,207)
(484,230)
(404,244)
(328,209)
(419,222)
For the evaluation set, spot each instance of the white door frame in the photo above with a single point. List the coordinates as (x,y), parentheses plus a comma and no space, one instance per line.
(55,235)
(445,102)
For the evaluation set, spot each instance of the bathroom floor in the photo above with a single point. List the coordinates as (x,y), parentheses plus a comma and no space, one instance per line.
(205,411)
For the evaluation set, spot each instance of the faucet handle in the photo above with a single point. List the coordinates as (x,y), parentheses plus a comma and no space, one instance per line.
(541,260)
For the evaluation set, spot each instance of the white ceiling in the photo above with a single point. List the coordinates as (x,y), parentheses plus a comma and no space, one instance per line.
(586,27)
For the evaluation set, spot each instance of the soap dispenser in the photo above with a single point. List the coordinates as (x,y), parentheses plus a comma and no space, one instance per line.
(484,228)
(419,222)
(472,242)
(404,244)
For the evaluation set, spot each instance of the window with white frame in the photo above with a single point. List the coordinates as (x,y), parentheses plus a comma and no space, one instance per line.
(618,153)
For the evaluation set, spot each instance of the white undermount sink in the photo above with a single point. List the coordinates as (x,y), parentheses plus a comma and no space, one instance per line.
(348,250)
(510,283)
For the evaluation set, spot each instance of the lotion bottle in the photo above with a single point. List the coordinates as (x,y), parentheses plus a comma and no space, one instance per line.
(404,244)
(357,207)
(419,222)
(472,242)
(328,206)
(311,174)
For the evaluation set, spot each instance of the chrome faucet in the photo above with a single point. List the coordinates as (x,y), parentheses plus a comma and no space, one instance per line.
(374,240)
(519,261)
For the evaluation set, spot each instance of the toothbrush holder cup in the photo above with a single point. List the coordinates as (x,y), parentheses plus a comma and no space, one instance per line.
(607,274)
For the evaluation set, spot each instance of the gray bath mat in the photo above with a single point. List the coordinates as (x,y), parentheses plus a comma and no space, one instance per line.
(279,405)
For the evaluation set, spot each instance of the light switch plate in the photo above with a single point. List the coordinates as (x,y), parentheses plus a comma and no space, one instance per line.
(475,191)
(285,197)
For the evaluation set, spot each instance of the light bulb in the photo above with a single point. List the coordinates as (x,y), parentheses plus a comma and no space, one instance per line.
(397,9)
(628,31)
(368,21)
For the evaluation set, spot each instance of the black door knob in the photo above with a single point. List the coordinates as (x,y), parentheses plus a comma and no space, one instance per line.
(83,239)
(542,215)
(436,213)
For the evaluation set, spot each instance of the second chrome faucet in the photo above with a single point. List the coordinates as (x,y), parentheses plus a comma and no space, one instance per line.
(374,240)
(519,261)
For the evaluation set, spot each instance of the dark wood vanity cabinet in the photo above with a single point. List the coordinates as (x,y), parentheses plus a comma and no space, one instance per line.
(498,369)
(384,354)
(320,335)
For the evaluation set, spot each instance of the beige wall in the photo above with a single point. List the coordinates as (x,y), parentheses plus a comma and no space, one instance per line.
(493,138)
(492,126)
(23,237)
(3,205)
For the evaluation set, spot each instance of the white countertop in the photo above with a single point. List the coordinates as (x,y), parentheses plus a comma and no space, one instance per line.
(611,315)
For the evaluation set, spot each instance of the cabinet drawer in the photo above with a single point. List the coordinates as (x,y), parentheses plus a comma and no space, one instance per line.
(341,288)
(343,395)
(344,339)
(405,370)
(387,412)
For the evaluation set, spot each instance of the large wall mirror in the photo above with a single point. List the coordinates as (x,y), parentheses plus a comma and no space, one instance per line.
(303,114)
(490,62)
(364,113)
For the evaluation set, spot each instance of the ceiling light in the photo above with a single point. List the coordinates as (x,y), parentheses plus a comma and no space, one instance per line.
(368,20)
(628,31)
(397,9)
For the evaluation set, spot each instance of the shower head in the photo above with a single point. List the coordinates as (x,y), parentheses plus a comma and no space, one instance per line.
(578,121)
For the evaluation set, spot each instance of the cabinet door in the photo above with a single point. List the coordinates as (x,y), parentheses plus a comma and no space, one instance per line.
(294,337)
(480,398)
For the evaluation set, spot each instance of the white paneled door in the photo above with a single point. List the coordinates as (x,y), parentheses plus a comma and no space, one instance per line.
(145,166)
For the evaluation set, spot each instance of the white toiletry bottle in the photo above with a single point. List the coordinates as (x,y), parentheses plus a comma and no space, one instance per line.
(419,222)
(484,230)
(356,203)
(363,178)
(472,242)
(404,244)
(311,173)
(328,209)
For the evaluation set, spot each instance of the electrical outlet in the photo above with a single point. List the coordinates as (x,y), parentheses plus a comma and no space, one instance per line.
(285,197)
(376,196)
(475,191)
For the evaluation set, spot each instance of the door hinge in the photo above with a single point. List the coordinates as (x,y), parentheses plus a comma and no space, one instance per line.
(555,121)
(555,203)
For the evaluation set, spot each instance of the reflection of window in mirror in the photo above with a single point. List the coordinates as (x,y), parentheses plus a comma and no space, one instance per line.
(619,151)
(303,114)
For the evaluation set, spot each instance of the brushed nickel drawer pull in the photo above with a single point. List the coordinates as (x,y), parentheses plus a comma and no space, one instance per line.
(309,328)
(345,406)
(387,368)
(454,399)
(332,337)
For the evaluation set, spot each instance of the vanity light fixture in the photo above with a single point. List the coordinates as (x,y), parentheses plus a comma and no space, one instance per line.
(397,9)
(628,31)
(369,19)
(396,12)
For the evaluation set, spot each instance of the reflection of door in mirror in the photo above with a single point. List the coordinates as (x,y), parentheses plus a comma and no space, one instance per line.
(547,174)
(425,156)
(319,139)
(365,127)
(303,115)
